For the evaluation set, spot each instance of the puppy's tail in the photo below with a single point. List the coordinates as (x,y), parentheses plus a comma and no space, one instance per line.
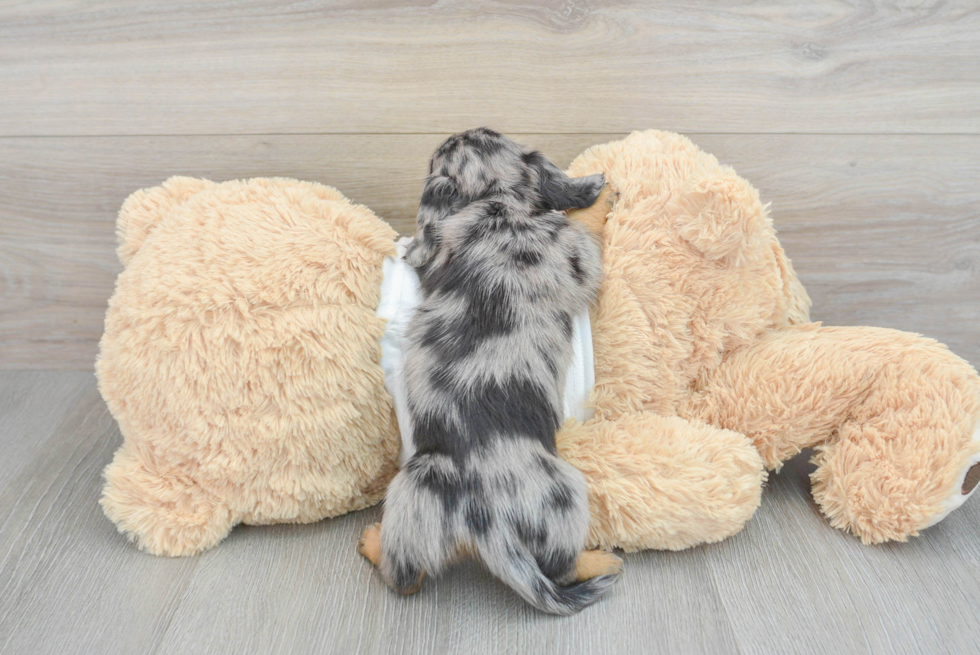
(517,568)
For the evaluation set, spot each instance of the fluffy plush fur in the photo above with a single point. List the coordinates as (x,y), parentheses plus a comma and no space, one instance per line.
(241,361)
(222,364)
(502,272)
(702,317)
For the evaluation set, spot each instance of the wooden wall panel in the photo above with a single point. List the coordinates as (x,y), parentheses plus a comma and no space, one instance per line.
(883,230)
(557,66)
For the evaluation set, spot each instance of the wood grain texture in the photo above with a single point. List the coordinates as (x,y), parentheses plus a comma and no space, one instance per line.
(69,583)
(788,583)
(32,405)
(813,589)
(883,230)
(404,66)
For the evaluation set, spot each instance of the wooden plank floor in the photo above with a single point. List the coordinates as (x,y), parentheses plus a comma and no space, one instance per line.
(859,120)
(69,583)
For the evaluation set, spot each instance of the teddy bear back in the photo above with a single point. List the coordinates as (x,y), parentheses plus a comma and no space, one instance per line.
(241,347)
(693,271)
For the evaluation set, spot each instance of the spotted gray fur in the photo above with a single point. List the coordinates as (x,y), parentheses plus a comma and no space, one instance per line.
(502,271)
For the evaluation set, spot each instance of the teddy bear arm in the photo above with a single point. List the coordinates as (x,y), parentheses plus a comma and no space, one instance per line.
(663,482)
(893,418)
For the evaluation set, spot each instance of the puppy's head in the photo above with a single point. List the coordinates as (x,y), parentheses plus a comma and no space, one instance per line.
(481,164)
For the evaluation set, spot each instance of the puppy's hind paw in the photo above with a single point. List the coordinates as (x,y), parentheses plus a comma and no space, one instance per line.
(370,543)
(412,589)
(593,563)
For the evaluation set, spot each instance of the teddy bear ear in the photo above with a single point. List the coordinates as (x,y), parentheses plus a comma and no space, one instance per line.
(142,211)
(722,217)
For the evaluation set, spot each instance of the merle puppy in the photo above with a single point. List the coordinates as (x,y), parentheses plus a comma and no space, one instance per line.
(502,271)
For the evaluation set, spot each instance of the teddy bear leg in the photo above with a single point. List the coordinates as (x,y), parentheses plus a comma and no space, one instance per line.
(160,507)
(885,487)
(663,482)
(966,483)
(892,417)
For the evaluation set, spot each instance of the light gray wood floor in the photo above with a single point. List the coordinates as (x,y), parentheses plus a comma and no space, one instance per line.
(788,583)
(859,120)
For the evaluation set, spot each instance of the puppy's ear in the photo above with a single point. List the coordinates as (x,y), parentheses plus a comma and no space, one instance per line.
(557,190)
(439,200)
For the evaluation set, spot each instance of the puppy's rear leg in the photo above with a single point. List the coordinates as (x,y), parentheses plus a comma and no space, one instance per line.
(414,538)
(593,563)
(401,571)
(370,547)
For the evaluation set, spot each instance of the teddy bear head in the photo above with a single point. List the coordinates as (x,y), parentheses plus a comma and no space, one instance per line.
(693,271)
